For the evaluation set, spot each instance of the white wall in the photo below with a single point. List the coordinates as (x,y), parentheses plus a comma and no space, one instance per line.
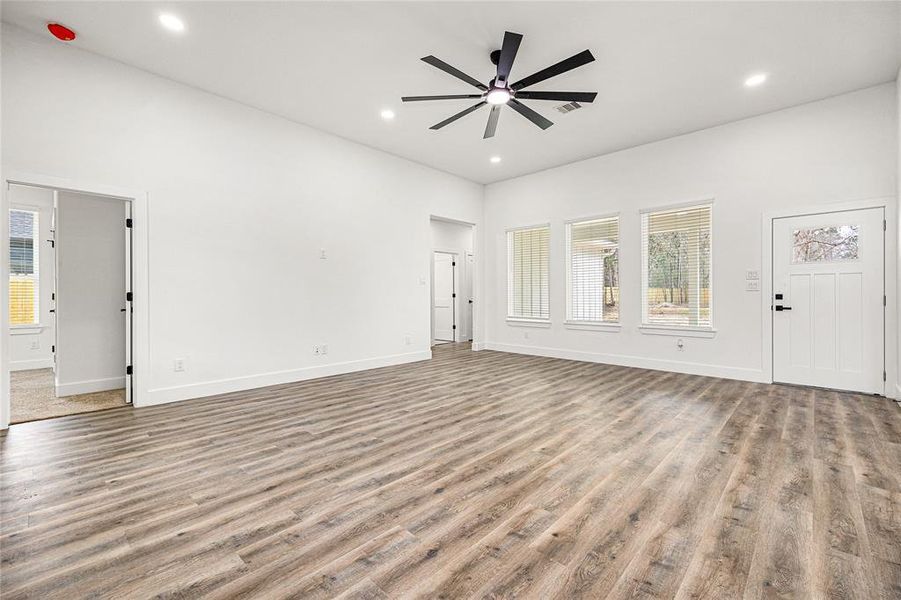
(240,204)
(91,286)
(31,347)
(458,238)
(835,150)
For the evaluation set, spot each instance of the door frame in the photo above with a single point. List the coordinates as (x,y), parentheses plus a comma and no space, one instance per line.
(476,325)
(455,258)
(890,320)
(140,275)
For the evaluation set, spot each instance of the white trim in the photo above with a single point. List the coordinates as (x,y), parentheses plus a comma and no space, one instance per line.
(475,326)
(26,329)
(521,322)
(90,386)
(31,365)
(247,382)
(140,271)
(704,201)
(478,346)
(697,332)
(640,362)
(613,215)
(593,325)
(887,203)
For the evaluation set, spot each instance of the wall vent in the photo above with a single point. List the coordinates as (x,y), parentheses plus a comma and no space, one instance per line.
(566,108)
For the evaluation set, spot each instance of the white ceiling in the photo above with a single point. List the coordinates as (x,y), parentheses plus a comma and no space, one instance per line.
(662,69)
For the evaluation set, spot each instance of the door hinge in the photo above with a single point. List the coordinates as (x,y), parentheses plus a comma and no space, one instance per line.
(454,263)
(455,327)
(129,370)
(128,223)
(884,225)
(883,376)
(884,301)
(129,297)
(53,295)
(53,349)
(453,295)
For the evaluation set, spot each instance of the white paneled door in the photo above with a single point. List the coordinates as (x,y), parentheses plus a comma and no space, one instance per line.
(443,288)
(828,293)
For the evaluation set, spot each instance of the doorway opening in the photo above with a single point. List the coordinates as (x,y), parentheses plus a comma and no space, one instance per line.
(828,300)
(70,302)
(452,267)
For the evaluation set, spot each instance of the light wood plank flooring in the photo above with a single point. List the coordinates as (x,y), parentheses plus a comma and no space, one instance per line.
(472,475)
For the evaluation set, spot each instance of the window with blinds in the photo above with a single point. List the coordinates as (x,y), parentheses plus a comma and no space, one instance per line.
(592,271)
(528,259)
(676,264)
(23,268)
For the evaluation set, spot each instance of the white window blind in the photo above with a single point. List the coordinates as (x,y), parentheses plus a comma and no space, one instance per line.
(528,267)
(592,267)
(23,268)
(676,267)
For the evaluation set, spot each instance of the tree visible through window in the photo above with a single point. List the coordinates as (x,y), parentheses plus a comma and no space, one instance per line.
(676,252)
(593,270)
(821,244)
(23,267)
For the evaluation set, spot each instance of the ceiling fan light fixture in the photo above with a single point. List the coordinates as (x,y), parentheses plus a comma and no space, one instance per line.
(498,96)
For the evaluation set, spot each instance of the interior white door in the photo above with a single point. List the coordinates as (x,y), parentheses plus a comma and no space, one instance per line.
(828,291)
(443,284)
(128,311)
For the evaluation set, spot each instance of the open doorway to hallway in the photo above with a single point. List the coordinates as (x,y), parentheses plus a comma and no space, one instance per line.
(451,296)
(69,309)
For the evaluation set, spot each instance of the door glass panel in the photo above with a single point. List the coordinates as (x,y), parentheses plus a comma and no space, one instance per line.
(825,244)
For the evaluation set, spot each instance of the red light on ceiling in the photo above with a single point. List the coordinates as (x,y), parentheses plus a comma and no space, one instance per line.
(61,32)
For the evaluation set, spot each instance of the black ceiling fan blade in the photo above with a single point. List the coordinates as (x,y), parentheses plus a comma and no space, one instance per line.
(440,64)
(492,121)
(529,113)
(508,54)
(582,58)
(448,97)
(565,96)
(460,114)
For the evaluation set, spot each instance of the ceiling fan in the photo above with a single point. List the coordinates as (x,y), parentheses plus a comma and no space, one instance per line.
(499,92)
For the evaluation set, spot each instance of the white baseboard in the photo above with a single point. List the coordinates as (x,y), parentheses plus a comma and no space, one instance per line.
(249,382)
(90,386)
(640,362)
(476,346)
(28,365)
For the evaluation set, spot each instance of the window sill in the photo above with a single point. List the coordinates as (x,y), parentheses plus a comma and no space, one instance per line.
(528,322)
(25,329)
(592,326)
(696,332)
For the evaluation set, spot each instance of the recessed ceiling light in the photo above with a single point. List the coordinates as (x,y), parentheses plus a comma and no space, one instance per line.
(495,159)
(755,80)
(387,114)
(171,22)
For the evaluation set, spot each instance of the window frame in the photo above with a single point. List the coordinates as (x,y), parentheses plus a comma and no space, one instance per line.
(527,321)
(569,322)
(38,324)
(702,331)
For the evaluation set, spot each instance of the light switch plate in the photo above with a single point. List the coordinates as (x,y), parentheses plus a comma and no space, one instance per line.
(752,275)
(752,286)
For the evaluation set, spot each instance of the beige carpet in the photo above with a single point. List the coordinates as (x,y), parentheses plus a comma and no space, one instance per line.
(33,396)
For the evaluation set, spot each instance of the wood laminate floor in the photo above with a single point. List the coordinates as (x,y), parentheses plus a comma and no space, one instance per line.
(471,475)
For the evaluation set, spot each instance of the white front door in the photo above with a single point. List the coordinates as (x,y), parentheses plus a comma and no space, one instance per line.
(828,313)
(443,281)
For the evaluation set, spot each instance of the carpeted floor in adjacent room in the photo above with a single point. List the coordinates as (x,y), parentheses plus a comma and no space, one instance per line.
(33,397)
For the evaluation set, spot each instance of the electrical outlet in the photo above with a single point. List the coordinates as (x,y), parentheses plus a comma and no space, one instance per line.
(525,335)
(752,275)
(317,350)
(178,365)
(324,348)
(322,254)
(680,345)
(35,345)
(752,286)
(408,340)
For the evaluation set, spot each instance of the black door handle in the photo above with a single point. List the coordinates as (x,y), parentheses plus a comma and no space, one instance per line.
(779,307)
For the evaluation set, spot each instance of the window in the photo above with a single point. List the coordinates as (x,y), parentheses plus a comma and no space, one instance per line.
(23,268)
(592,267)
(825,244)
(527,280)
(676,261)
